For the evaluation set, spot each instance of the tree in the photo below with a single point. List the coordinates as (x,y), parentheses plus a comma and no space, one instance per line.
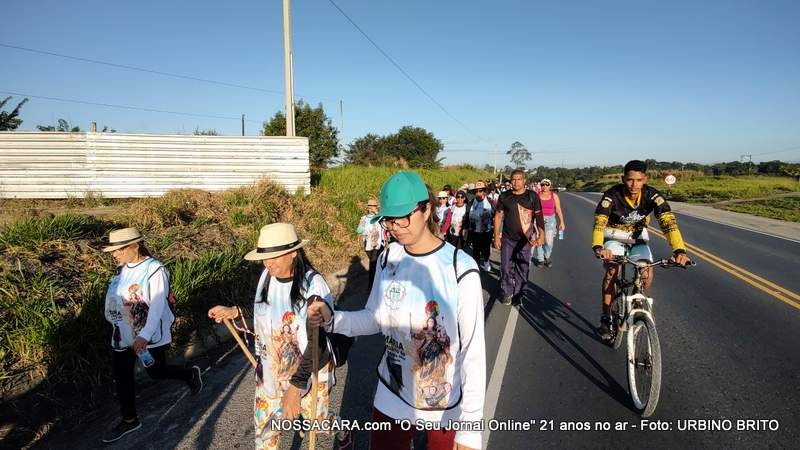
(199,132)
(313,124)
(416,146)
(63,125)
(370,149)
(10,120)
(519,154)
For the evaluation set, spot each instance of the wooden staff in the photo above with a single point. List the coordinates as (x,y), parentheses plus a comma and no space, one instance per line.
(312,441)
(240,342)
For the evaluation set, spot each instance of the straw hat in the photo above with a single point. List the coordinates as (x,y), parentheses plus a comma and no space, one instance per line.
(122,238)
(443,194)
(274,240)
(479,185)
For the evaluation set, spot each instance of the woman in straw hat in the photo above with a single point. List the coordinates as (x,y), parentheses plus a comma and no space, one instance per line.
(288,284)
(428,303)
(137,307)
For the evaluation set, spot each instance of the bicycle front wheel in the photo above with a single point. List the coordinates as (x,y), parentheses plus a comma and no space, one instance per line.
(618,314)
(644,365)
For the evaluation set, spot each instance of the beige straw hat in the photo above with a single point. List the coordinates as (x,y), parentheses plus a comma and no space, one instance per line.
(274,240)
(121,238)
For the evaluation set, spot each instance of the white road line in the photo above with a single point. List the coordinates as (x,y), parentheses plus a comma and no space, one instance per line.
(498,371)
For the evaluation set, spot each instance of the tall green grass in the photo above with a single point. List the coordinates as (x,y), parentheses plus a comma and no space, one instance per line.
(215,277)
(699,189)
(32,232)
(716,189)
(786,208)
(351,186)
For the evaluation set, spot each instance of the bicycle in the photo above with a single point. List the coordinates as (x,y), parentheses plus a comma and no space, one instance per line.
(632,311)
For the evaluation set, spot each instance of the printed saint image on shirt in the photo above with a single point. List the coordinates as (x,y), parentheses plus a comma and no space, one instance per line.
(372,238)
(432,357)
(135,308)
(525,219)
(286,354)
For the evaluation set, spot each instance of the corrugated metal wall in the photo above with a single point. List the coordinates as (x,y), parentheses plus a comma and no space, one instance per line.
(117,165)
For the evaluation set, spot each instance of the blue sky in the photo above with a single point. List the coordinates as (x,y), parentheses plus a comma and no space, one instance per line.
(578,82)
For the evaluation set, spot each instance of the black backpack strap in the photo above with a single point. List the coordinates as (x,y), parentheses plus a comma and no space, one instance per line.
(265,289)
(455,261)
(384,257)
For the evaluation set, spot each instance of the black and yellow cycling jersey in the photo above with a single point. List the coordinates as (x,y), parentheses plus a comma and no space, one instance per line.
(616,210)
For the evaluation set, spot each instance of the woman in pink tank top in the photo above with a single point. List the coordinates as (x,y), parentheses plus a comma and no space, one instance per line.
(551,208)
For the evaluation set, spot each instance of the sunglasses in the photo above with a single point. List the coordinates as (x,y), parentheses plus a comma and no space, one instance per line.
(480,190)
(372,206)
(545,184)
(460,196)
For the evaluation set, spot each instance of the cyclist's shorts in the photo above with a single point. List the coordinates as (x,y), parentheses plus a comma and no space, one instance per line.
(636,252)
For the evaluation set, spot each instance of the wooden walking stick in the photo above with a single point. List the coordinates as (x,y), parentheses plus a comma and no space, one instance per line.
(312,441)
(240,342)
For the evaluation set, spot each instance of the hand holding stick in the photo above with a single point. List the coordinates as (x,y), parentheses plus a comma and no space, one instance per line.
(241,343)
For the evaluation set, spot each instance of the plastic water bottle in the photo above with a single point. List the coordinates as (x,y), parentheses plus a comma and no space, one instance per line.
(146,358)
(560,235)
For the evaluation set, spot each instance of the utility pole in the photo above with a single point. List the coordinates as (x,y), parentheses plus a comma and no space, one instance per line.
(287,68)
(341,125)
(242,124)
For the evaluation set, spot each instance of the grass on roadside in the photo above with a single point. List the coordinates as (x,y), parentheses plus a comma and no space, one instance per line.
(697,189)
(786,208)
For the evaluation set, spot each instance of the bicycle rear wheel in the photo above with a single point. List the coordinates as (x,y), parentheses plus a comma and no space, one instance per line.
(644,365)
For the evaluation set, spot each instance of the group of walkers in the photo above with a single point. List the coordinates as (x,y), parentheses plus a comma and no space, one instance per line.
(425,297)
(466,219)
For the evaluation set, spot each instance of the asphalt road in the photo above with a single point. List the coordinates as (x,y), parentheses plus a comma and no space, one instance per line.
(729,352)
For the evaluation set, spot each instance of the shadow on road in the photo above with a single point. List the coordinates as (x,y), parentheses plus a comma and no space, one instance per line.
(361,380)
(549,316)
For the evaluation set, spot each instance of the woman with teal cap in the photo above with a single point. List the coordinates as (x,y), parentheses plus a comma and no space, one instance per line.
(427,301)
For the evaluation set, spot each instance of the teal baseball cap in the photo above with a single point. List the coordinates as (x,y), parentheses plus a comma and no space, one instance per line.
(400,195)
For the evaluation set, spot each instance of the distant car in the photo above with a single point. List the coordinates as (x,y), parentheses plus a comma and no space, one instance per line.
(562,188)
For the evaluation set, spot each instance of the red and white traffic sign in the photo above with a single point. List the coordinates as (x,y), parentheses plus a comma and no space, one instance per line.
(670,180)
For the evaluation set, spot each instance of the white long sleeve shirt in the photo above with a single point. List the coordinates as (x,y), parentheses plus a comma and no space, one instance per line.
(136,305)
(430,310)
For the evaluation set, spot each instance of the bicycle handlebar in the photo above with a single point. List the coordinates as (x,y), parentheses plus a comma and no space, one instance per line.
(625,259)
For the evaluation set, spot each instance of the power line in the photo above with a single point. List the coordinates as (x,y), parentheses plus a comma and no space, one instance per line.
(157,72)
(777,151)
(396,65)
(136,108)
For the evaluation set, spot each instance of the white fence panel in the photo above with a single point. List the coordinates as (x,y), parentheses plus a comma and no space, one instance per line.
(118,165)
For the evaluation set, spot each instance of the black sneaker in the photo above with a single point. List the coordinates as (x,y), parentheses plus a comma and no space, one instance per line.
(536,262)
(196,382)
(548,262)
(507,299)
(604,330)
(121,429)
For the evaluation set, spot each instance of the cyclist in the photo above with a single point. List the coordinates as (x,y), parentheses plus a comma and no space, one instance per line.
(620,222)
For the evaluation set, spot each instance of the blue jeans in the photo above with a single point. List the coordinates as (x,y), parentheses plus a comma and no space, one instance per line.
(543,252)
